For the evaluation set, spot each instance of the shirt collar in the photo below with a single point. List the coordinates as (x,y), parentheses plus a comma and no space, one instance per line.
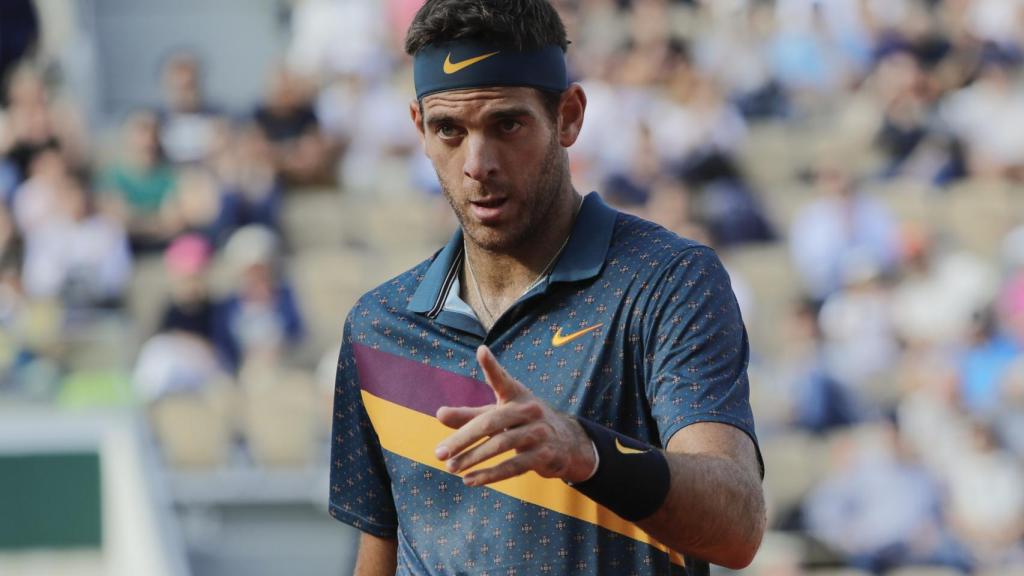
(582,259)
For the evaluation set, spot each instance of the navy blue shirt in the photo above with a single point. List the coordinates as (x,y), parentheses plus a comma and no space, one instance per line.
(634,328)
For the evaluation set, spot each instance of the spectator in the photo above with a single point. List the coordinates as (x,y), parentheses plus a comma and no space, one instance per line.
(250,187)
(19,33)
(631,188)
(987,499)
(859,338)
(818,401)
(806,59)
(339,37)
(35,122)
(973,113)
(188,123)
(842,223)
(957,282)
(197,203)
(260,317)
(138,190)
(82,258)
(1000,22)
(880,508)
(15,351)
(288,119)
(180,357)
(190,309)
(358,114)
(995,341)
(932,422)
(906,123)
(175,363)
(737,55)
(37,201)
(8,238)
(1009,417)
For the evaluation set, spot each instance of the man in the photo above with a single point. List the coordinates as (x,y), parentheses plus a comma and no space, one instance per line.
(561,389)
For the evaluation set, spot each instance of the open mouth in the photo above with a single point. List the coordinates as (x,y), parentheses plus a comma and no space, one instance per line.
(489,202)
(488,210)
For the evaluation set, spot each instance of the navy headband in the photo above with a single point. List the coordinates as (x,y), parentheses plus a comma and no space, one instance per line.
(473,64)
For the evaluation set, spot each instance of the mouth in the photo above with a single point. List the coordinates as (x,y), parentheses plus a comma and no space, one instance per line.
(488,210)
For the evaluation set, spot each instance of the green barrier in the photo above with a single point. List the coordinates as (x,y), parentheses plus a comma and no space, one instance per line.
(50,501)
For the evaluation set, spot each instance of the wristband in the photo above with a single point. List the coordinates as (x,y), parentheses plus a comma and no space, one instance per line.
(632,478)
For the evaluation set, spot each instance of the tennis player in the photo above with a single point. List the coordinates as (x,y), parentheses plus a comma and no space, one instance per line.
(562,388)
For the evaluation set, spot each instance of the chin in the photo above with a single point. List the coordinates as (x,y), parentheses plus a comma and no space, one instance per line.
(492,239)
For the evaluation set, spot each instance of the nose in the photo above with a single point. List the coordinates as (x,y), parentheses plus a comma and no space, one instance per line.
(481,161)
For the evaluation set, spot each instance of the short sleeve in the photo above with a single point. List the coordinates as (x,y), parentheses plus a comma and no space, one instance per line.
(360,485)
(698,369)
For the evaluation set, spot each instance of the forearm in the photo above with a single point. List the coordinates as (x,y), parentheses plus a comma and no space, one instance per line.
(701,496)
(377,556)
(714,510)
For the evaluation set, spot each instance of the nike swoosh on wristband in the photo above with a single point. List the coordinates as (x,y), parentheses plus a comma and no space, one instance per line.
(557,339)
(626,449)
(453,67)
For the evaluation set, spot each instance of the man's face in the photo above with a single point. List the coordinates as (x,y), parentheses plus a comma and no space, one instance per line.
(499,160)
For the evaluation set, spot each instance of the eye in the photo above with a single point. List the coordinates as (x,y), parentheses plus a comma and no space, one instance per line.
(447,131)
(509,126)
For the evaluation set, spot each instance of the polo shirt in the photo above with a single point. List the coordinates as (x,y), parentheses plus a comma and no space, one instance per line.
(634,328)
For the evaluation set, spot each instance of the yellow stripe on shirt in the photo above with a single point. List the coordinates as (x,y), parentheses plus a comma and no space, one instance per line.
(414,435)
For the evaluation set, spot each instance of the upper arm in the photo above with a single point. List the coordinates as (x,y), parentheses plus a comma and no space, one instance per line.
(698,369)
(697,382)
(720,440)
(360,491)
(377,556)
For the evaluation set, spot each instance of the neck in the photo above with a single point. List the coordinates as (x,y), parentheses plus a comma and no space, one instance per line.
(502,277)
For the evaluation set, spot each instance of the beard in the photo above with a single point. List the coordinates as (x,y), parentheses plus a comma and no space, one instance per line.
(539,198)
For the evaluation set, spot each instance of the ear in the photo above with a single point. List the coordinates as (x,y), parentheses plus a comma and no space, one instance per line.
(570,115)
(417,119)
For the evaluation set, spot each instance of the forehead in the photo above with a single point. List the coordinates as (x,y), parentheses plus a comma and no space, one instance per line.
(479,102)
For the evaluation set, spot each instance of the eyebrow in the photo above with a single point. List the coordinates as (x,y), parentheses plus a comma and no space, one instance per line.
(438,119)
(499,114)
(510,112)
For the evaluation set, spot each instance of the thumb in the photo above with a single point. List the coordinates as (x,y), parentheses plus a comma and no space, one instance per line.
(505,387)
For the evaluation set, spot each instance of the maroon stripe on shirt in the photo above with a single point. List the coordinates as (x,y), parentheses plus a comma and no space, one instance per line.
(415,385)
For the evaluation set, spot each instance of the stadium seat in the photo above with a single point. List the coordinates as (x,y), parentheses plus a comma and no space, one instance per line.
(314,219)
(794,463)
(768,269)
(839,572)
(1007,571)
(147,293)
(911,202)
(978,215)
(924,571)
(194,430)
(279,417)
(327,284)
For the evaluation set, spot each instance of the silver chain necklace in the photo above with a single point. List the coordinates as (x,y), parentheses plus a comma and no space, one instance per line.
(547,268)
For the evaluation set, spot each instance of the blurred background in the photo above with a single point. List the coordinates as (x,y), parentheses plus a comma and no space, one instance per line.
(192,195)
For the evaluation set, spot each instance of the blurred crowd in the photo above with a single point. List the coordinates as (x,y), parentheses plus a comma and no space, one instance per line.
(856,163)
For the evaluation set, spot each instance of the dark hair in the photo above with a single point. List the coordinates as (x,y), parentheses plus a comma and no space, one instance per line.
(520,24)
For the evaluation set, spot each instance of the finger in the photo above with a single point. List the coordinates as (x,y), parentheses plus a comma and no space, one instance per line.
(487,424)
(519,439)
(505,386)
(515,466)
(458,416)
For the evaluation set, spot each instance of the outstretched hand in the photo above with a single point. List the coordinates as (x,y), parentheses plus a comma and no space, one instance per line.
(545,441)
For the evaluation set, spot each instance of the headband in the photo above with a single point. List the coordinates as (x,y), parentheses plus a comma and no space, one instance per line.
(474,64)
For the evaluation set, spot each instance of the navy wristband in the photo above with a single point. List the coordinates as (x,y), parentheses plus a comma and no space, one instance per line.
(632,478)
